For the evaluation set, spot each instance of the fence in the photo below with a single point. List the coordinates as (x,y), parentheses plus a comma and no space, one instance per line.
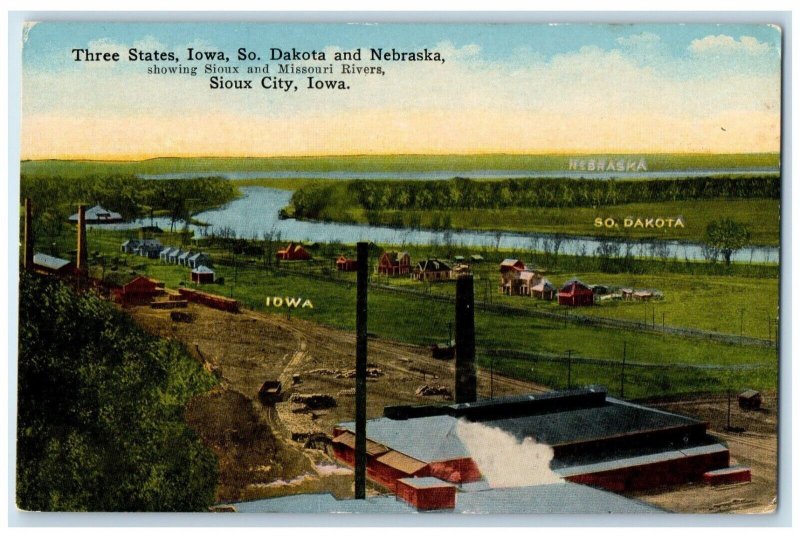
(628,379)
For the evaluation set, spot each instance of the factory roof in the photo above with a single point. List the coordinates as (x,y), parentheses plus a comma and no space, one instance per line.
(426,482)
(426,439)
(561,498)
(556,419)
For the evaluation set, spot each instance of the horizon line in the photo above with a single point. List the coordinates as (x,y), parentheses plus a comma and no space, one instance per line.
(328,155)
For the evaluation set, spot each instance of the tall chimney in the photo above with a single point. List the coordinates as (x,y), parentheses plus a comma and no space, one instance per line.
(361,371)
(466,381)
(82,262)
(28,238)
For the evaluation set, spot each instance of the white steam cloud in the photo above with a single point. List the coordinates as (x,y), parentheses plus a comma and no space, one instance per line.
(504,461)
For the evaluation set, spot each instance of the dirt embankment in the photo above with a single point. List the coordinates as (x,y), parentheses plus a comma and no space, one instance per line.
(267,450)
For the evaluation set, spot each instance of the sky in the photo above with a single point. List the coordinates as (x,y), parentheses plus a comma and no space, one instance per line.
(502,89)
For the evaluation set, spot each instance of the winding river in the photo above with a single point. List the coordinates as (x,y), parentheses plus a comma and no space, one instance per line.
(256,213)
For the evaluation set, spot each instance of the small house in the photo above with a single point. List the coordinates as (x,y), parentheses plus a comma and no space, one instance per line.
(293,251)
(183,259)
(512,265)
(527,280)
(199,259)
(149,248)
(627,294)
(164,254)
(432,270)
(45,264)
(544,289)
(643,295)
(394,263)
(202,275)
(575,293)
(346,264)
(98,215)
(130,246)
(174,255)
(476,258)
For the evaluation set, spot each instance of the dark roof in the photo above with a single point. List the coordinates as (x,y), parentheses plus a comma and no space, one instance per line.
(50,262)
(432,264)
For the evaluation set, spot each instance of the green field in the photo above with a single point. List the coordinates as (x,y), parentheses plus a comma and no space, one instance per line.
(385,163)
(761,216)
(423,321)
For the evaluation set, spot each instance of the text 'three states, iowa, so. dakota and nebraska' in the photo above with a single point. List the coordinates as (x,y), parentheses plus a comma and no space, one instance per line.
(235,77)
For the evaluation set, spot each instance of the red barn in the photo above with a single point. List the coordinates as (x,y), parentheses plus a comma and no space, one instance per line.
(346,264)
(575,293)
(394,263)
(140,290)
(293,251)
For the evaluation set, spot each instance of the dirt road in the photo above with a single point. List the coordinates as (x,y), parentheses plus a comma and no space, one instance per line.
(265,450)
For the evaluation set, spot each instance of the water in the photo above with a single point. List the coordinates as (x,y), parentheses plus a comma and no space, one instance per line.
(256,213)
(473,174)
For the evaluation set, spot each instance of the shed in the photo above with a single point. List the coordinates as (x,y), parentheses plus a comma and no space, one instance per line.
(394,263)
(477,258)
(50,265)
(544,290)
(750,400)
(427,493)
(344,263)
(575,293)
(202,275)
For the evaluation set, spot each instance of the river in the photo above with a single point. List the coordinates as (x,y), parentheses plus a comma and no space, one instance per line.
(256,213)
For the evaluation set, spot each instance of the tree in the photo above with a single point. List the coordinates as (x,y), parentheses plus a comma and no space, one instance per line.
(100,412)
(727,236)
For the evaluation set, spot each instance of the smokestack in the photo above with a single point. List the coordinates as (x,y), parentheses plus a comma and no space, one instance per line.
(28,238)
(466,381)
(82,262)
(361,372)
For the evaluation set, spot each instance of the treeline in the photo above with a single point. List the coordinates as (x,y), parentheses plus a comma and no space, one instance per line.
(100,413)
(463,193)
(55,198)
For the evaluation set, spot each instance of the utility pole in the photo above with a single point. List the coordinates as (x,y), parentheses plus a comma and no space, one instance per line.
(569,369)
(622,374)
(361,371)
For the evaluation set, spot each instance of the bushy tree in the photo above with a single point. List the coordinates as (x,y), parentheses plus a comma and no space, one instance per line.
(100,414)
(726,236)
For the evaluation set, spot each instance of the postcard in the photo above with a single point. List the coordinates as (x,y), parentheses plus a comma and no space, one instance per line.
(393,268)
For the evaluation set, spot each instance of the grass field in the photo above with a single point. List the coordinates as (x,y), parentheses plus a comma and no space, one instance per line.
(423,321)
(762,217)
(384,163)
